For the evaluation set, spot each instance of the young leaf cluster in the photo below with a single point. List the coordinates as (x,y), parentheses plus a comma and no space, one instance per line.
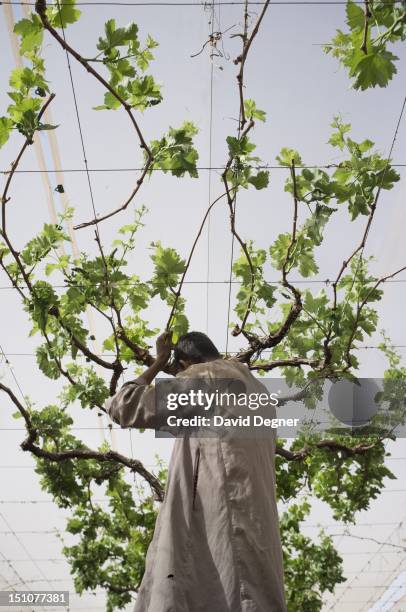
(363,49)
(127,60)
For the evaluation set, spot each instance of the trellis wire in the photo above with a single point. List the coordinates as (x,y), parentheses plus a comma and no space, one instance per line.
(208,168)
(326,281)
(103,501)
(205,4)
(308,526)
(338,599)
(210,162)
(267,351)
(89,182)
(14,376)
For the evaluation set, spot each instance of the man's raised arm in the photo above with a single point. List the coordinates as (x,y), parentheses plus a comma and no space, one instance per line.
(134,404)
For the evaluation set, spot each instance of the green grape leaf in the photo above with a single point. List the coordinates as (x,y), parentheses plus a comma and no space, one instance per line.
(355,16)
(179,326)
(6,126)
(175,152)
(252,112)
(144,92)
(110,102)
(31,32)
(63,14)
(287,156)
(116,37)
(337,139)
(314,226)
(46,126)
(168,265)
(239,147)
(375,68)
(46,363)
(363,52)
(260,180)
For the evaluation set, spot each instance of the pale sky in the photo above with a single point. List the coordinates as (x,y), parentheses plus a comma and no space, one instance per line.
(301,90)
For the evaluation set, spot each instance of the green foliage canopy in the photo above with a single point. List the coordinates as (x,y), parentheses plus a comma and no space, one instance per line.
(303,334)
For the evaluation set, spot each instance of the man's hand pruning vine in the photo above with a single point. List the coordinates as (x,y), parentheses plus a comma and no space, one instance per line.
(164,347)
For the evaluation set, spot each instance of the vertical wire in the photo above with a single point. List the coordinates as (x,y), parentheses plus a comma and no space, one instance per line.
(11,370)
(210,164)
(89,182)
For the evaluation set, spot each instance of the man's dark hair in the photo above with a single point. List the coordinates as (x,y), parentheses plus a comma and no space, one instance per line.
(195,347)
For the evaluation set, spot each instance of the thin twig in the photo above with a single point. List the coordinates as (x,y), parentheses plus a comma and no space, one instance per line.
(189,260)
(333,445)
(257,344)
(360,307)
(28,141)
(241,59)
(231,199)
(242,132)
(360,248)
(282,363)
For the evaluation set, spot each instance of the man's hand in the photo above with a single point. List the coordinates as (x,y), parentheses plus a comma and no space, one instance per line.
(164,347)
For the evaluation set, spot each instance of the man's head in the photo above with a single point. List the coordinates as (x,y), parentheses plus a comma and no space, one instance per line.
(194,347)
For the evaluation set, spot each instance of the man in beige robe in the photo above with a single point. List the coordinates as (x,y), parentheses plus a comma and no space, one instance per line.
(216,545)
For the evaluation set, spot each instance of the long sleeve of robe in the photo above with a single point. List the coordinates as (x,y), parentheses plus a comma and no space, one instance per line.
(216,545)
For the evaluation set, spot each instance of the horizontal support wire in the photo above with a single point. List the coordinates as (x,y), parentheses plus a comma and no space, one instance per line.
(101,501)
(13,502)
(266,351)
(33,467)
(204,4)
(208,168)
(343,553)
(310,526)
(325,281)
(154,465)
